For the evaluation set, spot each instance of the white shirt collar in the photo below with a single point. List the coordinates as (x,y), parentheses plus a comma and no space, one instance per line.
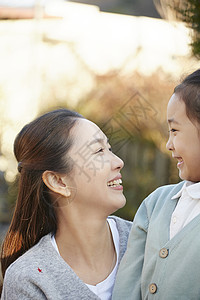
(192,189)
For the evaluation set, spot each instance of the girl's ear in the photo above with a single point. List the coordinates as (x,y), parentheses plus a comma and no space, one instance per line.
(56,183)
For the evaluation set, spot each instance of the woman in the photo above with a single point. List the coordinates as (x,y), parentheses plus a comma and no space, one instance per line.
(61,244)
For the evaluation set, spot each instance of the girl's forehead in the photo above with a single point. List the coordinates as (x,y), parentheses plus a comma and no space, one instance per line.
(176,113)
(174,101)
(175,107)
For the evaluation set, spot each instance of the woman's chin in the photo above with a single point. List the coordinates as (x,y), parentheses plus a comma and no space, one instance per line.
(119,204)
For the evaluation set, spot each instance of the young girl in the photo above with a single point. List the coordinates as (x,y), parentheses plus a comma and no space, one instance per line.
(61,244)
(162,261)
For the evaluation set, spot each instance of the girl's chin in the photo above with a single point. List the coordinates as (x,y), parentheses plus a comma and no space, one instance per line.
(182,175)
(188,177)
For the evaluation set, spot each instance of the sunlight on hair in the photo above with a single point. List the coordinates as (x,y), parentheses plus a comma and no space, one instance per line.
(15,237)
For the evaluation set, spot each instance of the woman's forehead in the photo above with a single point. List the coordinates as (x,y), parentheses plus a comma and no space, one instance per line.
(87,131)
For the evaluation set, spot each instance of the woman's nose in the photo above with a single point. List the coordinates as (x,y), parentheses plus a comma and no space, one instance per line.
(117,162)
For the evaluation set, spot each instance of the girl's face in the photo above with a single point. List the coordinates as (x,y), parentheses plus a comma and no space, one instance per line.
(184,140)
(96,172)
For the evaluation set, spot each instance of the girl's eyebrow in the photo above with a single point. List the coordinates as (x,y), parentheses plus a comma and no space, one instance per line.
(173,121)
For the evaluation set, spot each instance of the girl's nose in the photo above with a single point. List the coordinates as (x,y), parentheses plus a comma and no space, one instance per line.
(169,145)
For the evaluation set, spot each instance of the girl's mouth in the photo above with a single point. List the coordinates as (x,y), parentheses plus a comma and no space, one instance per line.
(180,162)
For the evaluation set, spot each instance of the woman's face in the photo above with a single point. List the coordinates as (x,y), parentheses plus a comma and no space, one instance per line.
(96,172)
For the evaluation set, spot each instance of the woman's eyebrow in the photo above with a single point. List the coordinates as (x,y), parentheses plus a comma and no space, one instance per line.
(98,140)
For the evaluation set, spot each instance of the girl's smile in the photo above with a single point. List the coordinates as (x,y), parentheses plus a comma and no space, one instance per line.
(184,140)
(180,161)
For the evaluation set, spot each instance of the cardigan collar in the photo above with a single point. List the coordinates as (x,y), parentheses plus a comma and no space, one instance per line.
(191,188)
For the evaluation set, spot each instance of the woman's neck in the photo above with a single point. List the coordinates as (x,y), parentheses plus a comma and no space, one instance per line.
(87,246)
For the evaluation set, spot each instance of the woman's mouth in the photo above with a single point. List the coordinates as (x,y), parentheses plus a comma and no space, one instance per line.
(115,184)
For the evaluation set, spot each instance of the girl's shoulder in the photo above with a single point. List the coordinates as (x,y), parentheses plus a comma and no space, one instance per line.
(160,199)
(165,191)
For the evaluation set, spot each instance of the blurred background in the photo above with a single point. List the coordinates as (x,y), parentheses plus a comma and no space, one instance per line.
(116,62)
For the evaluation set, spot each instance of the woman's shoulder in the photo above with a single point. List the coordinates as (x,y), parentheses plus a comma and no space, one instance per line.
(122,223)
(123,227)
(30,260)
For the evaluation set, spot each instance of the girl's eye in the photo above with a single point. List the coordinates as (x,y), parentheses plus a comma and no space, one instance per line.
(172,130)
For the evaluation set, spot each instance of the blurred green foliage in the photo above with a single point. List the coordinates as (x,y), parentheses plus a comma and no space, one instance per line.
(188,11)
(129,7)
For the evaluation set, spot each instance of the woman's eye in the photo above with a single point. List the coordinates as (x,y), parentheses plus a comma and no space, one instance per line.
(100,150)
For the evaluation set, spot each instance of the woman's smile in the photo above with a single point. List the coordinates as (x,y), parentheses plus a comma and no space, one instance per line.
(104,188)
(115,183)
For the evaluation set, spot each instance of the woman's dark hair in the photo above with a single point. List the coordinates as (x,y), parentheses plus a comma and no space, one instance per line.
(189,92)
(41,145)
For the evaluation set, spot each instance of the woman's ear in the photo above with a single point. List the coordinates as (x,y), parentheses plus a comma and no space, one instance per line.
(56,183)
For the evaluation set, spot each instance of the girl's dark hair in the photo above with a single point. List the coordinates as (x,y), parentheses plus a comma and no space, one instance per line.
(189,92)
(41,145)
